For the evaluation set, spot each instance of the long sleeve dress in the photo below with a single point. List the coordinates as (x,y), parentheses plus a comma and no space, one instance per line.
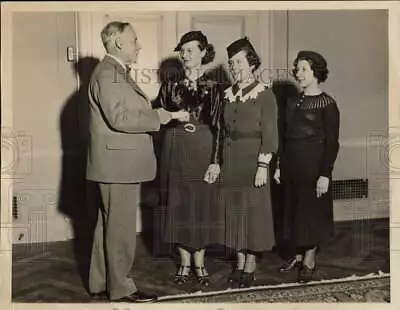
(309,149)
(249,129)
(192,218)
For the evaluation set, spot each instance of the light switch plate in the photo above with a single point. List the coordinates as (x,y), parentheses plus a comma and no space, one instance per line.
(70,54)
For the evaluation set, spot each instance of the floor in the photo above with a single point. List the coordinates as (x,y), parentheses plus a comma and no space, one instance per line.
(56,272)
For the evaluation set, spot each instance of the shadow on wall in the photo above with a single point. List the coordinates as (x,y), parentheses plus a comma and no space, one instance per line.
(78,198)
(283,90)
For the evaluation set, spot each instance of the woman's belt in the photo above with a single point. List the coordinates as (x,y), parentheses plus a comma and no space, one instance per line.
(177,124)
(308,139)
(235,135)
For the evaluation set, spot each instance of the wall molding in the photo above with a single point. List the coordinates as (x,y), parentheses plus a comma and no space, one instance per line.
(6,184)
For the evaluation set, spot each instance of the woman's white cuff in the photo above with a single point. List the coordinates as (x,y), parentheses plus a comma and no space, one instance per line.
(264,158)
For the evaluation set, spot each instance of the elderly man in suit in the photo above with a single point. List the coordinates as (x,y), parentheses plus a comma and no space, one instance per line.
(120,157)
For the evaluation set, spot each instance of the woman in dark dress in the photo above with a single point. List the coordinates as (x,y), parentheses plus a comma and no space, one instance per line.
(192,219)
(306,159)
(249,141)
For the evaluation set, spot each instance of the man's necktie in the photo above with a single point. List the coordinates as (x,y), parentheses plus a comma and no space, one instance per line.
(128,69)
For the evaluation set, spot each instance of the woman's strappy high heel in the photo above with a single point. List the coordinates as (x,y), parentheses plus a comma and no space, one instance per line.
(202,276)
(180,276)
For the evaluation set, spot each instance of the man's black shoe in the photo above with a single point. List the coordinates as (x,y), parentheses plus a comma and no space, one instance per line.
(98,293)
(99,296)
(138,296)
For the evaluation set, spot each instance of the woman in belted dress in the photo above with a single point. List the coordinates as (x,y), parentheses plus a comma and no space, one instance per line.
(306,160)
(249,126)
(188,150)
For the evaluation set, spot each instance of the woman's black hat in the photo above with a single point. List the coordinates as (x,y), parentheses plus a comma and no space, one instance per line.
(192,36)
(239,45)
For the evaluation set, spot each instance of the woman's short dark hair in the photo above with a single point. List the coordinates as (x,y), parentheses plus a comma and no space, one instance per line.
(317,63)
(210,53)
(252,58)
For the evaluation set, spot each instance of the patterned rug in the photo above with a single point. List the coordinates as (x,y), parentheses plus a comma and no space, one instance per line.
(370,288)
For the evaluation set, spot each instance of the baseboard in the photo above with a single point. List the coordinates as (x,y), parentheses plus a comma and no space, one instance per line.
(359,209)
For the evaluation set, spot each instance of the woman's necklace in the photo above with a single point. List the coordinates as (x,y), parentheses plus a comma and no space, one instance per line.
(312,91)
(192,75)
(190,82)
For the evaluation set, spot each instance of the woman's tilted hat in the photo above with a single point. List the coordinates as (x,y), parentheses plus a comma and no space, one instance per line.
(192,36)
(239,45)
(317,59)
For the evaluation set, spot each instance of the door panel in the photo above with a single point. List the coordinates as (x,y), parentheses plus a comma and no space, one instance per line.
(159,32)
(222,28)
(220,31)
(149,32)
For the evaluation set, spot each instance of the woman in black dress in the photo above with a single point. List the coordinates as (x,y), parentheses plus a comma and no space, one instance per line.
(306,159)
(249,141)
(192,218)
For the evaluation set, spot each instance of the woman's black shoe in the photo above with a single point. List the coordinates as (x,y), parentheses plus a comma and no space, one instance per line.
(235,276)
(290,265)
(247,279)
(181,277)
(202,276)
(306,273)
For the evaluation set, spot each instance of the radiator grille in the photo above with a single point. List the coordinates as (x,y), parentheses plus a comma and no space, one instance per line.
(15,207)
(350,189)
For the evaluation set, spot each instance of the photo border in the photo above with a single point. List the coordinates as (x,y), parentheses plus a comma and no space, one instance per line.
(393,7)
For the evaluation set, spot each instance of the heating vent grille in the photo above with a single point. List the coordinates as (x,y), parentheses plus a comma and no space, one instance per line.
(350,189)
(15,207)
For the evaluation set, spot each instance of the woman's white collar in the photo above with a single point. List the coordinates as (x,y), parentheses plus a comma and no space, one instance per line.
(252,94)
